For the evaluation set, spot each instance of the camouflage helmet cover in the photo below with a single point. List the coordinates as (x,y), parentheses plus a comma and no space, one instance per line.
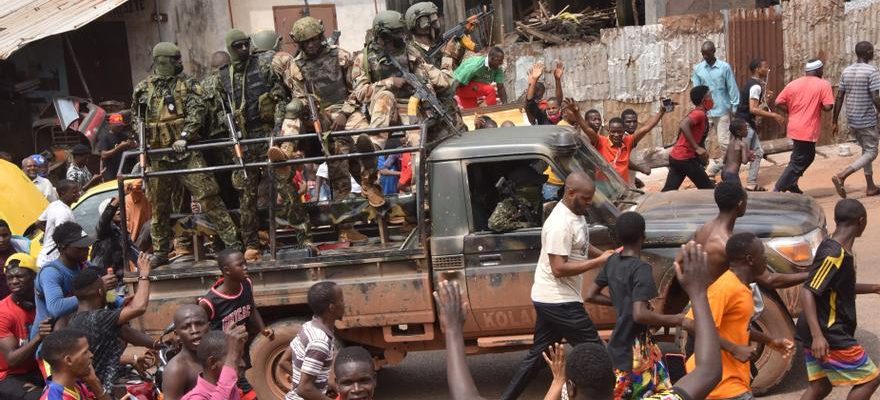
(167,49)
(306,28)
(387,21)
(417,11)
(265,40)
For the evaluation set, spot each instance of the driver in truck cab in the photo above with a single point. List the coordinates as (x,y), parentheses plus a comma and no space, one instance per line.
(520,193)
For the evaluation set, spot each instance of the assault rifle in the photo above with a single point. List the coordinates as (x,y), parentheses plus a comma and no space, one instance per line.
(459,30)
(315,116)
(142,141)
(234,133)
(423,94)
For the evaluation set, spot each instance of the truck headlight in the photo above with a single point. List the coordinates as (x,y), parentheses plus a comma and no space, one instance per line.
(798,250)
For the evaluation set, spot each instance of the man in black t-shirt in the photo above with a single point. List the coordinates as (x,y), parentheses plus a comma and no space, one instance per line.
(107,329)
(828,323)
(632,287)
(535,93)
(113,143)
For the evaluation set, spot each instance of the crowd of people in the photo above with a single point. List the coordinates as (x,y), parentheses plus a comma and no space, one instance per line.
(65,316)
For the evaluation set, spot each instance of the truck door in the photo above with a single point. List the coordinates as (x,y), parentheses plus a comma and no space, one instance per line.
(500,266)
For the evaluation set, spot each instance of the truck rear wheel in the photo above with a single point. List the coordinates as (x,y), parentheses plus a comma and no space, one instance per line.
(771,365)
(266,375)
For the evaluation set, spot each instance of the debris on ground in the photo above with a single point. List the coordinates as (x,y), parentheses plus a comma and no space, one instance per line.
(564,26)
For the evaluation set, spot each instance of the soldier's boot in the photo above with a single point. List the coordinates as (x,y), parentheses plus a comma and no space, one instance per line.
(158,260)
(369,188)
(396,215)
(303,234)
(253,255)
(278,154)
(181,249)
(347,233)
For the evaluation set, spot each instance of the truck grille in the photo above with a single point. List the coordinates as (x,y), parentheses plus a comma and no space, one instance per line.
(447,262)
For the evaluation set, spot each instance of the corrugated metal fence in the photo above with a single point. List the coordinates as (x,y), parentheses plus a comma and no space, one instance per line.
(633,67)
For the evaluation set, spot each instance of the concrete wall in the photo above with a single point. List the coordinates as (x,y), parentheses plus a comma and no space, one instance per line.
(197,26)
(656,9)
(353,17)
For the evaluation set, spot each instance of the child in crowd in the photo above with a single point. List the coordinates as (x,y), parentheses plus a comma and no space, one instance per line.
(230,302)
(688,157)
(549,112)
(828,324)
(73,378)
(220,354)
(313,348)
(738,152)
(636,358)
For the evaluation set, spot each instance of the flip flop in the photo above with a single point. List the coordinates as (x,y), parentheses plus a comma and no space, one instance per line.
(756,188)
(838,185)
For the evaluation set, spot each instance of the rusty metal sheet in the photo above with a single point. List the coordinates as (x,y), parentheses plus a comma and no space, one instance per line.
(586,75)
(752,34)
(862,23)
(635,63)
(698,24)
(814,29)
(25,21)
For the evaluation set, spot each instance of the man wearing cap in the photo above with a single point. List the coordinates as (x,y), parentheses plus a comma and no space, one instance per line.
(57,213)
(78,171)
(521,190)
(53,287)
(9,245)
(112,144)
(20,378)
(803,99)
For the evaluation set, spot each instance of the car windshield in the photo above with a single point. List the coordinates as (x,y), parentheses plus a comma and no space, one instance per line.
(608,182)
(86,211)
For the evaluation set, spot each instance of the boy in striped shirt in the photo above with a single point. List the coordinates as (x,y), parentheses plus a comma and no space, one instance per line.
(313,348)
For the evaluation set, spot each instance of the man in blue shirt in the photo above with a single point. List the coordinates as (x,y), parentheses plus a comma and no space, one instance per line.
(719,77)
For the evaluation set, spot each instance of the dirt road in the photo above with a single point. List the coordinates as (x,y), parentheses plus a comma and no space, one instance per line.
(423,375)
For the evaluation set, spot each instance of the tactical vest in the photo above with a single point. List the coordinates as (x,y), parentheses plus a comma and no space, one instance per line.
(258,109)
(379,69)
(743,111)
(163,127)
(327,76)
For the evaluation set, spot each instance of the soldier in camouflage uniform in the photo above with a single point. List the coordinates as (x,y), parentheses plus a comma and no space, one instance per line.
(520,203)
(254,89)
(266,42)
(325,69)
(174,115)
(215,126)
(379,84)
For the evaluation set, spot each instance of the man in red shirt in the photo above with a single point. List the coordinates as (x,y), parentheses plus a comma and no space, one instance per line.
(20,378)
(687,159)
(804,99)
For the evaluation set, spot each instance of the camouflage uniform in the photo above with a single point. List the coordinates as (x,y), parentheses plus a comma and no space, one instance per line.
(513,213)
(255,91)
(165,124)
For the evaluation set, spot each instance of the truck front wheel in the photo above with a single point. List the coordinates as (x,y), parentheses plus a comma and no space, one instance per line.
(771,365)
(267,376)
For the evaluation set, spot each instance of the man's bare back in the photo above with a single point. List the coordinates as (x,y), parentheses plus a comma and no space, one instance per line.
(180,375)
(713,237)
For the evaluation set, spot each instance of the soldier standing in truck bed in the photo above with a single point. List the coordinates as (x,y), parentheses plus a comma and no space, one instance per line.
(326,70)
(254,90)
(380,84)
(174,111)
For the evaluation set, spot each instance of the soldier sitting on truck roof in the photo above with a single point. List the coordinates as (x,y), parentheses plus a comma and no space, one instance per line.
(520,207)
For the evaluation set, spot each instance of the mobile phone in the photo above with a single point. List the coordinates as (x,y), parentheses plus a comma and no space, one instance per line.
(675,365)
(668,105)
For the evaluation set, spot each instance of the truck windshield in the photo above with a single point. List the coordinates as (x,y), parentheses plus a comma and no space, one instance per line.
(607,180)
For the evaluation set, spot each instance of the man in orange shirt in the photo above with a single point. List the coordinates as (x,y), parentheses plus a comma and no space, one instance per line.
(733,308)
(804,99)
(617,147)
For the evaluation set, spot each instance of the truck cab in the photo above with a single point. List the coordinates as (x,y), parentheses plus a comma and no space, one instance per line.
(388,284)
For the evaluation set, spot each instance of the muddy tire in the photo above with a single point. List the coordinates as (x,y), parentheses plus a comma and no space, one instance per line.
(771,366)
(266,375)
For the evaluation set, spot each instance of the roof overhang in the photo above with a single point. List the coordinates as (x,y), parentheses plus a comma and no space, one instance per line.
(25,21)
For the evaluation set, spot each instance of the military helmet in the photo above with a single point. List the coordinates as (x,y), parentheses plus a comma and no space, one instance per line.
(167,49)
(265,40)
(235,35)
(306,28)
(387,21)
(417,11)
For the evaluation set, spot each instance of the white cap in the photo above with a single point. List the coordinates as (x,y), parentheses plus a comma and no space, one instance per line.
(813,65)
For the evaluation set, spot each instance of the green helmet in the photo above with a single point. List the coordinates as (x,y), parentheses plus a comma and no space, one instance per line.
(265,40)
(387,21)
(417,11)
(306,28)
(235,35)
(167,49)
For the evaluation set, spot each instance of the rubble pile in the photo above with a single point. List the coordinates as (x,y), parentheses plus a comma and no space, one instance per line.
(564,26)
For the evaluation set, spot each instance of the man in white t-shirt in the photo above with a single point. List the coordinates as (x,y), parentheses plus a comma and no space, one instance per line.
(31,169)
(556,293)
(56,213)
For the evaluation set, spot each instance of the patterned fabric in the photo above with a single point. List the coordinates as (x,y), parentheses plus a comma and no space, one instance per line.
(80,175)
(54,391)
(850,366)
(511,214)
(105,342)
(313,351)
(648,375)
(674,394)
(860,81)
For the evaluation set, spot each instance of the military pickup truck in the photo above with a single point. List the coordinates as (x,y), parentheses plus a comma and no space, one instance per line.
(388,285)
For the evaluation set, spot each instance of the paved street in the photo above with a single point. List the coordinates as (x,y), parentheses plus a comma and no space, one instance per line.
(423,375)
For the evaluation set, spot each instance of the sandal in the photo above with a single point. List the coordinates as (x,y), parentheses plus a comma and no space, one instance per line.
(838,186)
(756,188)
